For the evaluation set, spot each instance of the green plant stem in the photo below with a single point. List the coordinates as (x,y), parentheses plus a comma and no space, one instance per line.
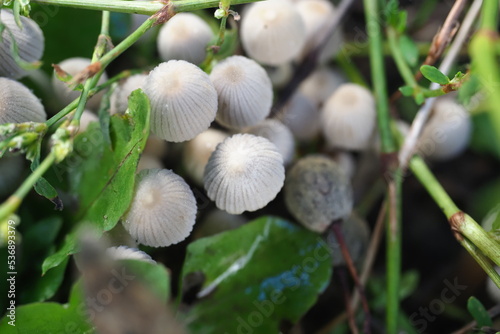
(350,70)
(356,49)
(139,7)
(214,48)
(60,115)
(14,201)
(404,69)
(482,260)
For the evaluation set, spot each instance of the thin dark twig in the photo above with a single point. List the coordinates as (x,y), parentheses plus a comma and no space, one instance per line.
(337,231)
(341,275)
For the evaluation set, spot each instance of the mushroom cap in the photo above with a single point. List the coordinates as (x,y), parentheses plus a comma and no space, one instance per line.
(183,100)
(127,253)
(156,146)
(65,94)
(119,97)
(302,117)
(447,132)
(87,118)
(163,210)
(18,104)
(278,134)
(403,128)
(244,173)
(244,90)
(346,162)
(184,37)
(198,150)
(280,75)
(149,162)
(218,221)
(317,192)
(321,84)
(29,40)
(348,117)
(356,233)
(272,32)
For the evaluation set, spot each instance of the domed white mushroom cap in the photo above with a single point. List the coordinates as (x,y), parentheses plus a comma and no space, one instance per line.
(321,84)
(183,100)
(29,40)
(127,253)
(62,90)
(280,75)
(18,104)
(317,192)
(302,117)
(447,132)
(244,173)
(278,134)
(244,90)
(198,150)
(272,32)
(119,97)
(163,210)
(348,117)
(184,37)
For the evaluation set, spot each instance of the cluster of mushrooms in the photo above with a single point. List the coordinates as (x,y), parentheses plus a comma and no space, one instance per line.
(244,158)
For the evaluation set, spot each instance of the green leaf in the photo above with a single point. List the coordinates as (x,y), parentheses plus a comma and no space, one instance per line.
(409,50)
(68,248)
(419,98)
(484,136)
(469,88)
(229,45)
(432,74)
(408,284)
(154,276)
(407,90)
(42,186)
(265,271)
(478,312)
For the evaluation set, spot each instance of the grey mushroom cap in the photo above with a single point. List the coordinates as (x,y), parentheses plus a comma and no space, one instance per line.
(244,91)
(18,104)
(184,37)
(244,173)
(119,97)
(183,100)
(126,253)
(302,117)
(317,192)
(29,40)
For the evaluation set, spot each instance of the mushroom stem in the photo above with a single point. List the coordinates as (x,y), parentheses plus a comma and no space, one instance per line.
(341,276)
(337,230)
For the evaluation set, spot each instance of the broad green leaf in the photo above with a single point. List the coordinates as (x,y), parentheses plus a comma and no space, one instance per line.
(484,136)
(68,248)
(468,89)
(111,169)
(229,45)
(263,272)
(432,74)
(45,287)
(478,312)
(407,90)
(42,186)
(419,98)
(154,276)
(409,50)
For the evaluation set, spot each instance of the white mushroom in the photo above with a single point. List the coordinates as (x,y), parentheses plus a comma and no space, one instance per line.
(244,91)
(183,100)
(278,134)
(317,192)
(156,147)
(149,162)
(29,40)
(184,37)
(87,118)
(346,162)
(163,210)
(447,132)
(244,173)
(280,75)
(302,117)
(119,98)
(127,253)
(272,32)
(198,150)
(62,90)
(18,104)
(321,84)
(348,117)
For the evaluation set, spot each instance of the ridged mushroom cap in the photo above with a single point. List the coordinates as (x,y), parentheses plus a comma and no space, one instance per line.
(184,37)
(356,233)
(198,150)
(302,117)
(278,134)
(244,91)
(244,173)
(29,40)
(127,253)
(217,221)
(18,104)
(348,117)
(183,100)
(316,15)
(321,84)
(272,32)
(65,94)
(163,210)
(119,97)
(317,192)
(447,132)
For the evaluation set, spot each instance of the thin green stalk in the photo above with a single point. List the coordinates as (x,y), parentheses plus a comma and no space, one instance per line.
(352,72)
(213,48)
(404,69)
(356,49)
(482,260)
(139,7)
(15,200)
